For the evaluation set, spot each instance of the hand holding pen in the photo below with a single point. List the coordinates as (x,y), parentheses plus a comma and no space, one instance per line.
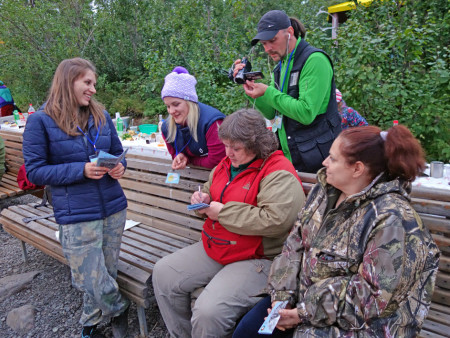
(200,197)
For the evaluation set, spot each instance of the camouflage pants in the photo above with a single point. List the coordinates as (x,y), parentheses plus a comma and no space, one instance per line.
(92,251)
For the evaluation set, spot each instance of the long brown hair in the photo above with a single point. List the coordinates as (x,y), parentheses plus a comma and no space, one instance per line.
(299,28)
(62,105)
(398,152)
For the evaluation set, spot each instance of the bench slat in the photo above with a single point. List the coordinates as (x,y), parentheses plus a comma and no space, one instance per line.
(8,192)
(133,260)
(192,234)
(158,190)
(154,165)
(444,263)
(426,334)
(443,280)
(140,254)
(146,233)
(133,272)
(145,303)
(183,240)
(167,215)
(139,289)
(436,328)
(51,248)
(440,308)
(438,317)
(441,296)
(129,240)
(431,207)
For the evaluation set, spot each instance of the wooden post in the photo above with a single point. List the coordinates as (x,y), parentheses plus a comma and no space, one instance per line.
(24,252)
(142,321)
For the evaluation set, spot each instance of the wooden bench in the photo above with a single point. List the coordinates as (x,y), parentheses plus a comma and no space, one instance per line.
(166,226)
(13,161)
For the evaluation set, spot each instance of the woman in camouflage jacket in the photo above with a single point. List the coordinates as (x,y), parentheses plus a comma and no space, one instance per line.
(359,262)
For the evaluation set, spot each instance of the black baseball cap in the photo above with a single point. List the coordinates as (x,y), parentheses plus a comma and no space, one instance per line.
(270,24)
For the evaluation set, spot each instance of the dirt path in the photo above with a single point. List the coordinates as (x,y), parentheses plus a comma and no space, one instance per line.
(57,303)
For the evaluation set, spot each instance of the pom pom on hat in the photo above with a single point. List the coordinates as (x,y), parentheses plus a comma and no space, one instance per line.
(180,70)
(179,83)
(338,96)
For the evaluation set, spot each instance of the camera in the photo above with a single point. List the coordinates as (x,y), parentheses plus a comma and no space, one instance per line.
(245,73)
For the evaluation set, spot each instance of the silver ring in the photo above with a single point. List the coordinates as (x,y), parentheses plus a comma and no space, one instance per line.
(96,173)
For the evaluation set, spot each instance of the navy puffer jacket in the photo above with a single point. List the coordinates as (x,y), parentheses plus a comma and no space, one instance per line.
(54,158)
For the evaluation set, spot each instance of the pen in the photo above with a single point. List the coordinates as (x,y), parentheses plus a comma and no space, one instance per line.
(200,193)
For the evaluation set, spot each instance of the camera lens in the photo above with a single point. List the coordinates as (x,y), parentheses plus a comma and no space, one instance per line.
(240,77)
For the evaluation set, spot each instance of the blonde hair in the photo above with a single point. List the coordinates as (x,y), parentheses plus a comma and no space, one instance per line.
(192,122)
(62,105)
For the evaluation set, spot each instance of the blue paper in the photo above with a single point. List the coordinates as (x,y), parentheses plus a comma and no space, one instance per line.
(272,319)
(197,206)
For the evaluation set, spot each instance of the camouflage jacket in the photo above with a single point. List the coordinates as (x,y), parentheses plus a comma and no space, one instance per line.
(366,268)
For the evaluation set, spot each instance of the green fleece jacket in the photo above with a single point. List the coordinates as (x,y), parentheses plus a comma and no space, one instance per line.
(314,94)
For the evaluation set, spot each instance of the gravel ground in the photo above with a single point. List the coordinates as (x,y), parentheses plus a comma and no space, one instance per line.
(58,305)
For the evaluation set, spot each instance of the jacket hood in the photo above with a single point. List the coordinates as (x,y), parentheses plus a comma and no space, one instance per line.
(380,185)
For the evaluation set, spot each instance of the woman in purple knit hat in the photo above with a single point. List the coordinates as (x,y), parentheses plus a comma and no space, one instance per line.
(191,130)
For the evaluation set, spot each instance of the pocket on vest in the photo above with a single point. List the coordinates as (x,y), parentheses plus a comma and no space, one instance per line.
(226,248)
(310,154)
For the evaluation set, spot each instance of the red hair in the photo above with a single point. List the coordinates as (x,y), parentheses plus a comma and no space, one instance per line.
(400,155)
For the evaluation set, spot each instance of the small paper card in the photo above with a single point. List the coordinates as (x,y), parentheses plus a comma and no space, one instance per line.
(173,178)
(272,319)
(104,159)
(197,206)
(277,121)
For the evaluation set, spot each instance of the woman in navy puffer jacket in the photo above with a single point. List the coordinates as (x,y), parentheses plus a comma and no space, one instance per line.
(88,201)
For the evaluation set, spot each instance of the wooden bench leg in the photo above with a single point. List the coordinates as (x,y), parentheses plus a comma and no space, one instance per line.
(24,252)
(142,321)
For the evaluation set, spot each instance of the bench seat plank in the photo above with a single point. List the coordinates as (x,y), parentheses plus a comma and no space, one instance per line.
(171,243)
(436,328)
(426,334)
(144,246)
(167,215)
(157,190)
(172,228)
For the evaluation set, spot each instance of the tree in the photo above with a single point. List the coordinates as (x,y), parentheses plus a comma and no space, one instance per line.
(392,64)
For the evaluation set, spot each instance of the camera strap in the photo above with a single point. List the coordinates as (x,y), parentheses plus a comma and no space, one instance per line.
(278,120)
(287,70)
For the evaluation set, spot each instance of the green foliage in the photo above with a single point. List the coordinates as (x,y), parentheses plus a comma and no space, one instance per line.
(391,61)
(392,64)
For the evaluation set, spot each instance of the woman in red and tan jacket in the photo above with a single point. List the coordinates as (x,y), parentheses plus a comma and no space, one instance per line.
(254,196)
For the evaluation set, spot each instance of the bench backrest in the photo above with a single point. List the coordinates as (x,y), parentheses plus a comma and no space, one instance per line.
(13,150)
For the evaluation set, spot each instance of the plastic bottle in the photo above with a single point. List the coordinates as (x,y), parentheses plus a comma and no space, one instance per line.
(395,123)
(160,123)
(119,124)
(31,109)
(16,116)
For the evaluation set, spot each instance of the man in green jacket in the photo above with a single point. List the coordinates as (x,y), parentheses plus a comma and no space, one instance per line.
(301,98)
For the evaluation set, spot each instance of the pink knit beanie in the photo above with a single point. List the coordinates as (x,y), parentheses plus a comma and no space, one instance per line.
(338,96)
(179,83)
